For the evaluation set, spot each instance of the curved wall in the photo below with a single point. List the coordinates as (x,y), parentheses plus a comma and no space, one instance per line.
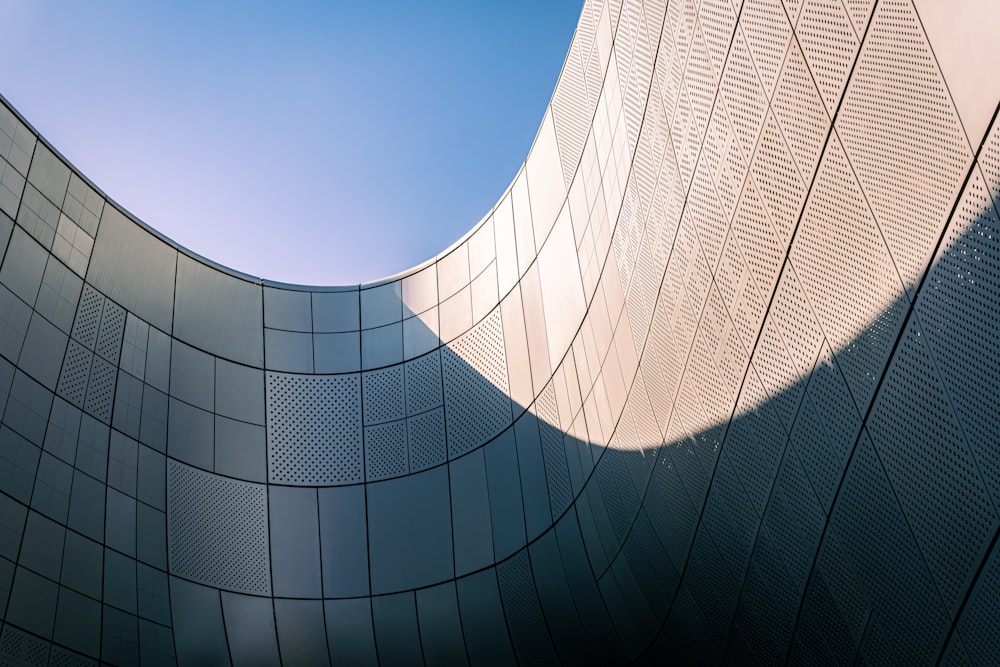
(715,380)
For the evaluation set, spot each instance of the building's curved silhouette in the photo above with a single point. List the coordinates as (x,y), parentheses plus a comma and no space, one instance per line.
(716,380)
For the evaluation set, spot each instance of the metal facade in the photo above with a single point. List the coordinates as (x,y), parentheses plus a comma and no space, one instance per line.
(715,381)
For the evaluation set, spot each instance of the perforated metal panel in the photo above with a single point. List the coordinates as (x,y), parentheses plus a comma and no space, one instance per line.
(385,450)
(802,469)
(101,390)
(75,373)
(477,406)
(109,340)
(524,614)
(314,428)
(423,384)
(217,530)
(88,316)
(425,433)
(20,648)
(383,393)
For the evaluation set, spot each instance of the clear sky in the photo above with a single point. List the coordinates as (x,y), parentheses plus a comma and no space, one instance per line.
(309,142)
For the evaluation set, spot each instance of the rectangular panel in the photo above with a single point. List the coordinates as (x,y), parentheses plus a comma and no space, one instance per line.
(218,530)
(381,305)
(409,530)
(239,392)
(440,625)
(336,311)
(295,559)
(420,291)
(240,450)
(349,631)
(470,506)
(546,185)
(289,351)
(337,352)
(49,174)
(311,440)
(534,490)
(134,268)
(301,634)
(343,541)
(192,376)
(505,495)
(199,631)
(250,629)
(191,435)
(516,347)
(218,312)
(290,310)
(396,629)
(486,635)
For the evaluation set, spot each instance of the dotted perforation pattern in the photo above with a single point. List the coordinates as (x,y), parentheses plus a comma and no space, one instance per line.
(314,429)
(383,393)
(385,450)
(524,613)
(425,435)
(88,316)
(217,530)
(477,405)
(109,340)
(423,383)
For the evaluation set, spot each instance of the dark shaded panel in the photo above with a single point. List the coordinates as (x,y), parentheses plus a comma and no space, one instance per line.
(483,623)
(301,633)
(343,541)
(349,631)
(295,562)
(409,531)
(250,629)
(199,631)
(440,625)
(470,507)
(396,629)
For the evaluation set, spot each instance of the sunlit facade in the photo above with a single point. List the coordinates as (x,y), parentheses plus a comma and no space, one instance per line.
(714,381)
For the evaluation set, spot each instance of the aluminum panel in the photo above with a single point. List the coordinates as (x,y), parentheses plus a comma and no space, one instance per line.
(218,313)
(134,268)
(409,531)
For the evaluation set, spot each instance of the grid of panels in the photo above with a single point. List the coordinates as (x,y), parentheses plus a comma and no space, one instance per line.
(775,485)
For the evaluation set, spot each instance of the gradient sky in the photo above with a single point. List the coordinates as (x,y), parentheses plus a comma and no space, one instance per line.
(305,142)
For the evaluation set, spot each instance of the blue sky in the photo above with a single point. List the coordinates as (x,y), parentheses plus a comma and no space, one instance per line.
(307,142)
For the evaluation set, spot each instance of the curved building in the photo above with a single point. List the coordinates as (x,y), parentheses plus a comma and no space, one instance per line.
(716,380)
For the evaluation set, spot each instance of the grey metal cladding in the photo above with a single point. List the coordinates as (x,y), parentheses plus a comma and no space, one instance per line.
(87,324)
(239,392)
(218,312)
(217,530)
(441,625)
(23,266)
(713,382)
(58,295)
(310,439)
(134,268)
(385,450)
(349,630)
(49,174)
(11,190)
(301,631)
(477,405)
(290,310)
(250,628)
(295,544)
(409,531)
(343,527)
(38,216)
(397,634)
